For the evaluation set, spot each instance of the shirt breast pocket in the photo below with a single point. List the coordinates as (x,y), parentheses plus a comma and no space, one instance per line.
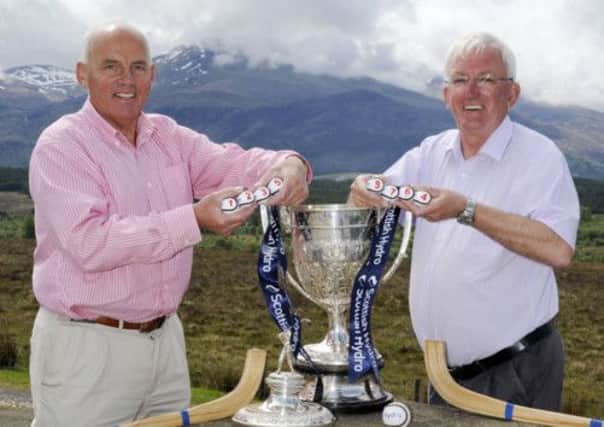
(176,185)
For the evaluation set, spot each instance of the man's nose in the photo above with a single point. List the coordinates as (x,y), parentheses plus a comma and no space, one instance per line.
(127,76)
(472,87)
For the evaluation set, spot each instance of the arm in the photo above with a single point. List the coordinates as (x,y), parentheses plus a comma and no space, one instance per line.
(528,237)
(216,166)
(522,235)
(296,174)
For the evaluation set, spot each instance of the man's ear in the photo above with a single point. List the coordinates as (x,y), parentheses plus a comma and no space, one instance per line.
(445,95)
(513,95)
(81,74)
(153,73)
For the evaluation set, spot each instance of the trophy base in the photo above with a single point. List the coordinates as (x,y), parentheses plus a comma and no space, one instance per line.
(284,408)
(326,360)
(340,395)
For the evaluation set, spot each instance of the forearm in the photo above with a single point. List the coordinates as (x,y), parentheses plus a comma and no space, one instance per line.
(524,236)
(103,243)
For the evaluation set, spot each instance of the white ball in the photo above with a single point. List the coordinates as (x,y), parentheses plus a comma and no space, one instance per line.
(228,205)
(375,184)
(396,414)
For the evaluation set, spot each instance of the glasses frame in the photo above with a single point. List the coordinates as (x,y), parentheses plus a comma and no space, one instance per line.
(484,81)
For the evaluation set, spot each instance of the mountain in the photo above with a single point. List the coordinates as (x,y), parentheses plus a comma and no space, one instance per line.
(340,125)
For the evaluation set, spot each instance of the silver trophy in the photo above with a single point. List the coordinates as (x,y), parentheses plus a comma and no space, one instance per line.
(330,243)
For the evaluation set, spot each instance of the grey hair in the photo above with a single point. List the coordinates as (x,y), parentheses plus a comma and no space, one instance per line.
(477,43)
(93,37)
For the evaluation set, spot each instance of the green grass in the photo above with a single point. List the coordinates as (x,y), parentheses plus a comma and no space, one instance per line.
(12,227)
(590,239)
(14,378)
(202,395)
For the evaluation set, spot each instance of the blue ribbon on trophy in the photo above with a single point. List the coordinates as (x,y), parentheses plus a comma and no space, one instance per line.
(361,352)
(272,270)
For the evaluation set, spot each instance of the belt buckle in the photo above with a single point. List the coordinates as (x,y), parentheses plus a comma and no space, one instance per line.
(519,346)
(152,325)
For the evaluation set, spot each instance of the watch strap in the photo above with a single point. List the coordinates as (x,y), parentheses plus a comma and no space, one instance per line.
(466,216)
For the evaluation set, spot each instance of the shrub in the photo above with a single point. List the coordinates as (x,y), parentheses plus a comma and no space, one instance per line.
(8,346)
(29,230)
(586,213)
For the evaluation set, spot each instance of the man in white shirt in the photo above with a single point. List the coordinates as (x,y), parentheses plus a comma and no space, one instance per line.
(504,214)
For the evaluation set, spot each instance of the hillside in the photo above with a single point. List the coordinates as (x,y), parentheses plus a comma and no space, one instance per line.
(340,125)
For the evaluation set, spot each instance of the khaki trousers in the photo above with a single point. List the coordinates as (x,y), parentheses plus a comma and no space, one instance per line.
(84,374)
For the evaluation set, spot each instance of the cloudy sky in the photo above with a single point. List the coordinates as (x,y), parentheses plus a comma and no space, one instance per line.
(559,43)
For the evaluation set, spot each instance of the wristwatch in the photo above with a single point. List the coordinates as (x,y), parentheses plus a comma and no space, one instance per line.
(466,216)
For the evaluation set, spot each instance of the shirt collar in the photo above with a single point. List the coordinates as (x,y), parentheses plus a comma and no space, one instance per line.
(495,145)
(143,131)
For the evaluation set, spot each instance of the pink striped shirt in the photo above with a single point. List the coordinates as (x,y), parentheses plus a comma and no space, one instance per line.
(115,226)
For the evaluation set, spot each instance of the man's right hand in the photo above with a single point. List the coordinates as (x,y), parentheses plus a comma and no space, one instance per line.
(362,197)
(211,217)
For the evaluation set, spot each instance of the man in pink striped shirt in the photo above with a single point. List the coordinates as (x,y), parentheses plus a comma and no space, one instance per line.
(116,223)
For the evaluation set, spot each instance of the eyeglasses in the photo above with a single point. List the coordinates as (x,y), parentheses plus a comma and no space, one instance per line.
(483,82)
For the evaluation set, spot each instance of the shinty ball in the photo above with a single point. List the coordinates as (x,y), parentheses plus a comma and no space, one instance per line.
(396,414)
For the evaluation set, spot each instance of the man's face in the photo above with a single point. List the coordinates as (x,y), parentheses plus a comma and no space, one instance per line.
(479,94)
(118,77)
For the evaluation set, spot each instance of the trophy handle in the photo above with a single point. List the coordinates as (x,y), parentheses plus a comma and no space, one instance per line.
(264,220)
(402,252)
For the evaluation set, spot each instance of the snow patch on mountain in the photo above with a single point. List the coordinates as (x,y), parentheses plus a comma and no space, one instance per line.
(55,83)
(43,76)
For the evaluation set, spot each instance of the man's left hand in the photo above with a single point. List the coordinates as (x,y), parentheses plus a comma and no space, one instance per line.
(293,170)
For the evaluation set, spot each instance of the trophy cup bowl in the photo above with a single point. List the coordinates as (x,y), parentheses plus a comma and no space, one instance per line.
(330,243)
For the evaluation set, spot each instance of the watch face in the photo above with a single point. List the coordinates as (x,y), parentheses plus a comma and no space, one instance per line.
(467,216)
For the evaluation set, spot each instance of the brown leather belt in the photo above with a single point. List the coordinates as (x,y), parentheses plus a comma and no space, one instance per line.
(144,327)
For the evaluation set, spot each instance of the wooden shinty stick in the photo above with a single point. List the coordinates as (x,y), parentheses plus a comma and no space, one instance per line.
(438,372)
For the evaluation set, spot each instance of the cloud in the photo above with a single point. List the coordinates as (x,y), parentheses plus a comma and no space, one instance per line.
(38,31)
(557,42)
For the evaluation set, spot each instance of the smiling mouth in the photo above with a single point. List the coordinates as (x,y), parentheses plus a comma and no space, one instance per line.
(472,107)
(124,95)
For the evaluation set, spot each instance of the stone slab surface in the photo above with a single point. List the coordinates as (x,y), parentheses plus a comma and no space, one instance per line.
(422,416)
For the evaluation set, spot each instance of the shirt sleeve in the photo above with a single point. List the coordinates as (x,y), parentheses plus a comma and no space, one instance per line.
(557,204)
(71,201)
(214,166)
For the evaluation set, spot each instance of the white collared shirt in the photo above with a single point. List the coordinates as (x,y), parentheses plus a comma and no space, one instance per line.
(466,288)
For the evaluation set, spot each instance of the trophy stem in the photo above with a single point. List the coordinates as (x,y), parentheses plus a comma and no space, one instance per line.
(337,334)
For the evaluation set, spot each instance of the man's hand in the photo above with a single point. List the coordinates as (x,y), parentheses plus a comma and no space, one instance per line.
(445,204)
(362,197)
(211,217)
(294,191)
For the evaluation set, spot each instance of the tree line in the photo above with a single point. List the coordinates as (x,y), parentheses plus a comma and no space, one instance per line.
(591,192)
